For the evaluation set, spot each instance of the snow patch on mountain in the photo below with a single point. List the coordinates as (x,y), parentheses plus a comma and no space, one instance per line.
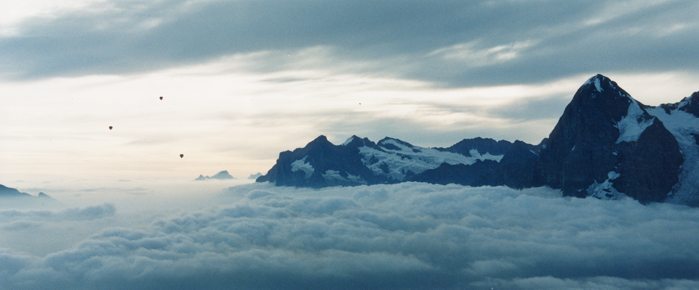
(397,159)
(683,103)
(598,86)
(487,156)
(683,126)
(605,189)
(336,176)
(304,166)
(595,80)
(633,124)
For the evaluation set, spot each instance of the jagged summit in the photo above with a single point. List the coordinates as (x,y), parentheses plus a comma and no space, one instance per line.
(600,93)
(602,84)
(320,140)
(597,81)
(599,103)
(356,142)
(320,146)
(691,104)
(687,104)
(351,139)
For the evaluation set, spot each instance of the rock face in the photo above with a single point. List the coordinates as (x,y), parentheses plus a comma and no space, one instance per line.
(650,167)
(682,120)
(481,173)
(521,167)
(603,130)
(606,145)
(517,168)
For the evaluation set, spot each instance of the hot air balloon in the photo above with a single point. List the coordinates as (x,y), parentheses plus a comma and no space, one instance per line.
(110,127)
(161,98)
(181,155)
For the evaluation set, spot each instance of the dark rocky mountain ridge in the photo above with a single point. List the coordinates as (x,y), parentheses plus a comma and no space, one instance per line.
(606,144)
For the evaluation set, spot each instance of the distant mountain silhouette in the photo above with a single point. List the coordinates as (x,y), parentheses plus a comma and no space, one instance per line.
(9,193)
(605,145)
(221,175)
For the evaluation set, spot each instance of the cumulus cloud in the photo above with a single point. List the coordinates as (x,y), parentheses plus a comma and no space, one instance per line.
(385,236)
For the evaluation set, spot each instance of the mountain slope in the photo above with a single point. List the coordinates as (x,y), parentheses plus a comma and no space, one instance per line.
(682,120)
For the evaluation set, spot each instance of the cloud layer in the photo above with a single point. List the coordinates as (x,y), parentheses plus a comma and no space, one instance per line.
(386,236)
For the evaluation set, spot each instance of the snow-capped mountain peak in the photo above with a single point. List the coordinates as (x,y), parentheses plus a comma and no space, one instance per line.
(604,86)
(597,81)
(603,129)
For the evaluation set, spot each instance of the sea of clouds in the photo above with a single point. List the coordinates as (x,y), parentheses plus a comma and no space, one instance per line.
(408,235)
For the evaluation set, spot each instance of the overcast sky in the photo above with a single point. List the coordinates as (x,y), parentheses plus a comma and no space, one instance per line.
(243,80)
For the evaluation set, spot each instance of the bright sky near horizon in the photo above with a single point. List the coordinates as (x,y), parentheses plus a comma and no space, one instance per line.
(244,80)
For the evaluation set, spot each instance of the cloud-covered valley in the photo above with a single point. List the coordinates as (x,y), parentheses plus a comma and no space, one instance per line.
(407,235)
